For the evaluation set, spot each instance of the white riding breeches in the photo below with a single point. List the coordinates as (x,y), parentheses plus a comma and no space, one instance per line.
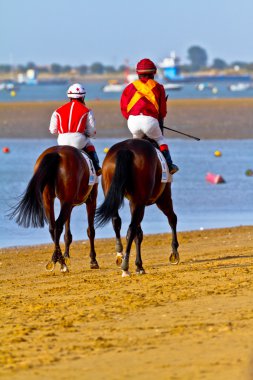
(141,125)
(78,140)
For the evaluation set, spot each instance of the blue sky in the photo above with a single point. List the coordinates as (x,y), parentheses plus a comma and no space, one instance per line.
(82,32)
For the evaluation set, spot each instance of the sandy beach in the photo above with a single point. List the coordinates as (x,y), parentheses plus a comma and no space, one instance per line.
(191,321)
(204,118)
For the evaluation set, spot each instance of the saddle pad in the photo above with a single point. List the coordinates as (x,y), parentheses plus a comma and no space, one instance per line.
(93,177)
(166,176)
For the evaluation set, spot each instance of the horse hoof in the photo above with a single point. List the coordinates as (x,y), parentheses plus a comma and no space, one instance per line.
(119,259)
(50,266)
(94,266)
(174,259)
(64,268)
(126,273)
(140,271)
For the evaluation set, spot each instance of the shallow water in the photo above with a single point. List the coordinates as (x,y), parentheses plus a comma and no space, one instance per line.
(95,91)
(198,204)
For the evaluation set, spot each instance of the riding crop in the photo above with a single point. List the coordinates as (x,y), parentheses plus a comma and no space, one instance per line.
(181,133)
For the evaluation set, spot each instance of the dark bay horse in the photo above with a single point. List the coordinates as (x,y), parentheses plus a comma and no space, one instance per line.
(60,172)
(133,170)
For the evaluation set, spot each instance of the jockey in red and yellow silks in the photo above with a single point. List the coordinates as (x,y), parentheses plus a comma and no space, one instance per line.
(143,104)
(75,124)
(144,96)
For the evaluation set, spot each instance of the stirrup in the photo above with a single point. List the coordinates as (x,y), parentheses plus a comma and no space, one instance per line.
(173,169)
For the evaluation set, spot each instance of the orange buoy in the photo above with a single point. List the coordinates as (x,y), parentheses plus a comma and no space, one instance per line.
(214,178)
(6,149)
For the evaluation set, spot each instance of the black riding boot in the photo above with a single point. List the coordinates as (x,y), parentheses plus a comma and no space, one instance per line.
(172,167)
(95,161)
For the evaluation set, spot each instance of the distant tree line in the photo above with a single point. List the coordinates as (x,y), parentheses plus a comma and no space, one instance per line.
(56,68)
(198,61)
(196,55)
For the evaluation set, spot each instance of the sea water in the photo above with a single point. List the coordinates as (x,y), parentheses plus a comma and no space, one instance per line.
(49,92)
(197,203)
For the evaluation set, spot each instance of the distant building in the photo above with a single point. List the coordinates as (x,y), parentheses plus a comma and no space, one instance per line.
(29,78)
(170,66)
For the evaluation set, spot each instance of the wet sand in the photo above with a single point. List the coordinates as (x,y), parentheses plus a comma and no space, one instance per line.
(191,321)
(204,118)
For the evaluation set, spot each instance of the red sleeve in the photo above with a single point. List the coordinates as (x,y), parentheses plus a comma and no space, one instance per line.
(163,103)
(123,104)
(125,99)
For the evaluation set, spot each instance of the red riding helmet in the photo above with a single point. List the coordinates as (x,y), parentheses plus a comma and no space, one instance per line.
(146,66)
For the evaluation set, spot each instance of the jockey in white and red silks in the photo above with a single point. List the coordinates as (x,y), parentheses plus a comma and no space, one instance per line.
(143,104)
(75,124)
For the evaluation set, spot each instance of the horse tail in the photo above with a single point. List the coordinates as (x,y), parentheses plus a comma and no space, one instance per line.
(115,197)
(30,210)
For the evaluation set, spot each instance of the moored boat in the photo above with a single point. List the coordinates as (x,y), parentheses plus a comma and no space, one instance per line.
(172,86)
(114,86)
(239,86)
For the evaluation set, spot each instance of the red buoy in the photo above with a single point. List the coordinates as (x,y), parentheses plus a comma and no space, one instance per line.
(6,149)
(214,178)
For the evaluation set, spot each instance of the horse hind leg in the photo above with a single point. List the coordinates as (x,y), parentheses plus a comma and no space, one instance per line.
(68,240)
(91,204)
(116,223)
(138,240)
(165,204)
(137,216)
(48,202)
(55,227)
(174,257)
(61,220)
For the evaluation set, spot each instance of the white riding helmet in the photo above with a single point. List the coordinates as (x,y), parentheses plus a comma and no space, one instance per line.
(76,91)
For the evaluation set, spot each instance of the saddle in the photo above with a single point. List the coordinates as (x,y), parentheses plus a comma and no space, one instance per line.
(93,177)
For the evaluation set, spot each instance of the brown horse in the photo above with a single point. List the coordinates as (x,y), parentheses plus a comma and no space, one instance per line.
(60,172)
(132,169)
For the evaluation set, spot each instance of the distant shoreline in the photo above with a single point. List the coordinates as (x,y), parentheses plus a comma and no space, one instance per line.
(91,77)
(204,118)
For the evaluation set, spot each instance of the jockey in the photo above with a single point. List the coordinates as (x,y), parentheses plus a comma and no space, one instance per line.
(143,104)
(75,124)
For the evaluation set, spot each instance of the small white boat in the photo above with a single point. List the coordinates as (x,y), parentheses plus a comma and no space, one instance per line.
(239,87)
(114,86)
(207,86)
(204,86)
(172,86)
(7,86)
